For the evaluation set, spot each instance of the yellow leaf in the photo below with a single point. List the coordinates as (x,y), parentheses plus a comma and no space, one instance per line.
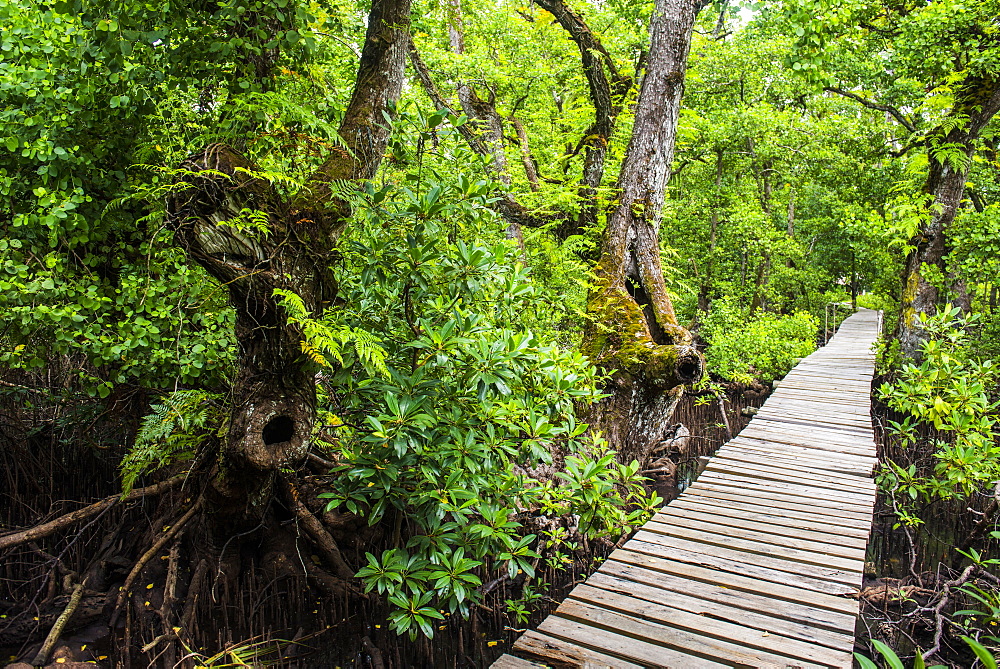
(149,587)
(60,660)
(492,643)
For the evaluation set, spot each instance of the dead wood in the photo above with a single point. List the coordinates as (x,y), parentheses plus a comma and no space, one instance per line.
(57,629)
(53,526)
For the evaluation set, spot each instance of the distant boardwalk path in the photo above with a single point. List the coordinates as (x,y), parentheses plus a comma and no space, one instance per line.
(753,564)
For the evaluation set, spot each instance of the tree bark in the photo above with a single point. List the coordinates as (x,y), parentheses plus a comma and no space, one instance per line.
(633,331)
(979,102)
(273,394)
(608,88)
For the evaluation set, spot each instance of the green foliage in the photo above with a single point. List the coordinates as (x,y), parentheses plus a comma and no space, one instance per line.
(172,432)
(764,345)
(893,661)
(951,392)
(473,408)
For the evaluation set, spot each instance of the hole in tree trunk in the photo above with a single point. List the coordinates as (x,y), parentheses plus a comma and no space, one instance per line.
(689,370)
(277,430)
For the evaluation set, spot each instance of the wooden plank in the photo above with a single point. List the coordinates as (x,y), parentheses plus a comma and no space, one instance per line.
(777,461)
(744,591)
(816,452)
(511,662)
(786,454)
(560,653)
(816,441)
(621,646)
(815,457)
(796,550)
(852,499)
(849,443)
(760,646)
(814,431)
(770,516)
(799,476)
(672,639)
(747,553)
(851,518)
(759,612)
(791,472)
(775,525)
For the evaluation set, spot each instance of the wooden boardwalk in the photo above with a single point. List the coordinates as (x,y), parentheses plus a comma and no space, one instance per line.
(755,563)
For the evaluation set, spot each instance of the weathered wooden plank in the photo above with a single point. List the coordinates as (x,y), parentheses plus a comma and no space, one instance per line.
(790,463)
(817,452)
(760,612)
(760,555)
(787,455)
(770,516)
(559,653)
(767,646)
(796,550)
(859,500)
(726,462)
(850,518)
(511,662)
(626,647)
(732,588)
(672,639)
(775,525)
(845,442)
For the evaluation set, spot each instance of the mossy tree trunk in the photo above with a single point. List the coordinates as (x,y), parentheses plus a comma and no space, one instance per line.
(633,331)
(979,103)
(273,394)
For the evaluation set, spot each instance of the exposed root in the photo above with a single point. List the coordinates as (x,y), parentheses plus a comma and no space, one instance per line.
(938,609)
(324,542)
(148,555)
(45,529)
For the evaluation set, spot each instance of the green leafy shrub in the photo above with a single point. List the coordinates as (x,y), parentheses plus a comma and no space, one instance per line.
(457,426)
(763,346)
(950,391)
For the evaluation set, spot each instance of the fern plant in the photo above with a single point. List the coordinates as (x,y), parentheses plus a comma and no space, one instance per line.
(324,341)
(171,433)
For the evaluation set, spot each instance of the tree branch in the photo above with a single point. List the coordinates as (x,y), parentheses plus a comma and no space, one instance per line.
(896,114)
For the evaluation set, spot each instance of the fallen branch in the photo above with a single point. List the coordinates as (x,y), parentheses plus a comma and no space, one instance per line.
(42,657)
(45,529)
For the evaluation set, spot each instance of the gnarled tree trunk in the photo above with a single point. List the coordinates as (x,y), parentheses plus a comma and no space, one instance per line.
(633,331)
(946,185)
(273,395)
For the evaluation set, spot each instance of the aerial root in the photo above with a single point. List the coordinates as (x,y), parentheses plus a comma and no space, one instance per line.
(148,555)
(325,543)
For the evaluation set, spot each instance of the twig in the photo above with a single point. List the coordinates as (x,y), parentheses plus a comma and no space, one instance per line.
(74,601)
